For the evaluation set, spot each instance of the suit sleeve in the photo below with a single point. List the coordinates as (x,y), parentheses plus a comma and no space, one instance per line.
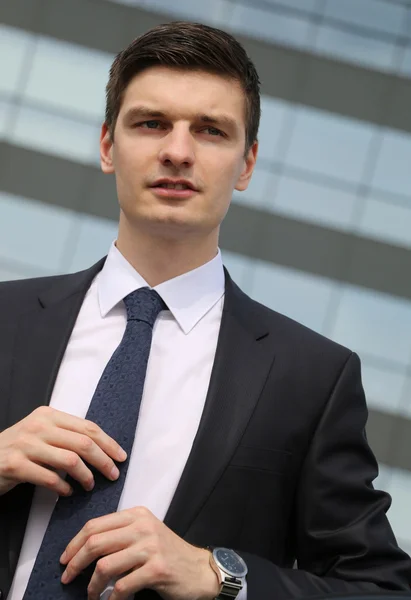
(343,541)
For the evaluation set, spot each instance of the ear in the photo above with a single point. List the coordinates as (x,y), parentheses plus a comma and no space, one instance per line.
(249,164)
(106,150)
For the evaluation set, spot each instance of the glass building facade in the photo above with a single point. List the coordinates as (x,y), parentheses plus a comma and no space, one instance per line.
(323,234)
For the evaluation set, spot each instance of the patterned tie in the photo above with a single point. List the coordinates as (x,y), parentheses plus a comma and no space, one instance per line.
(114,407)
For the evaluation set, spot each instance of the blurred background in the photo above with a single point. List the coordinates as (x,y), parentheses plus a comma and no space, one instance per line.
(323,234)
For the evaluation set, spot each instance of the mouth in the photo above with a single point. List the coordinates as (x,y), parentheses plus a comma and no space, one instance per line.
(167,189)
(173,192)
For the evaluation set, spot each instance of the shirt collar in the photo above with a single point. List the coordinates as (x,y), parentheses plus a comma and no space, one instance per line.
(189,296)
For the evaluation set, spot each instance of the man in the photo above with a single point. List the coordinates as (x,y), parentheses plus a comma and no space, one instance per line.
(250,435)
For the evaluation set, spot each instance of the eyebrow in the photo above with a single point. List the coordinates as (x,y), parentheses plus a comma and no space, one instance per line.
(144,112)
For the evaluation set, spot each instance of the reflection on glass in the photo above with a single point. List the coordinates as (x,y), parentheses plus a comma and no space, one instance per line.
(377,15)
(329,144)
(11,275)
(383,388)
(399,514)
(304,5)
(55,135)
(313,202)
(240,269)
(14,49)
(274,116)
(209,11)
(33,233)
(374,323)
(354,47)
(298,295)
(393,169)
(5,111)
(272,26)
(94,237)
(386,221)
(69,77)
(258,192)
(405,68)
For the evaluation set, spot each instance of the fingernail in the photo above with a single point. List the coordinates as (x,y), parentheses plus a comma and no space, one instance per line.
(64,577)
(90,486)
(114,473)
(122,454)
(63,557)
(69,492)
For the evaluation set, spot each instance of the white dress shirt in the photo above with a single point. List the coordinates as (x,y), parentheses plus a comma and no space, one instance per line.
(178,374)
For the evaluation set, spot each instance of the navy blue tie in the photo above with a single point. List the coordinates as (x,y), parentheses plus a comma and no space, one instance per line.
(114,407)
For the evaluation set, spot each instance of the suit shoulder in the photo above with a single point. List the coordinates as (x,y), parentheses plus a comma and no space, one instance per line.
(299,336)
(18,294)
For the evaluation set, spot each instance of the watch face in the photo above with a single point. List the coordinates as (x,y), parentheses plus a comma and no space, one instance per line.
(230,562)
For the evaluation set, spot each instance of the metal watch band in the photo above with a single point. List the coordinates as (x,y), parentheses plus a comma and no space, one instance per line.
(230,588)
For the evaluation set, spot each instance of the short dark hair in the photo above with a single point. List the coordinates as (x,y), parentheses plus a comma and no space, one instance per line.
(186,45)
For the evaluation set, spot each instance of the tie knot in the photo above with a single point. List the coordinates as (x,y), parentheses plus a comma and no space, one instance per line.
(144,305)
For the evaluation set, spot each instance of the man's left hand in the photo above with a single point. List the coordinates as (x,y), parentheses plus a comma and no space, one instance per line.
(138,550)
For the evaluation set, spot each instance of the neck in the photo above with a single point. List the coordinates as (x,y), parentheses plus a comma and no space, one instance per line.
(159,259)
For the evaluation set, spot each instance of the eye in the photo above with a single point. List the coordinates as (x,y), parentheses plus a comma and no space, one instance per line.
(215,132)
(150,124)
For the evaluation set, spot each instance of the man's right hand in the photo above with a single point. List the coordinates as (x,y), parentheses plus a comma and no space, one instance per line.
(47,440)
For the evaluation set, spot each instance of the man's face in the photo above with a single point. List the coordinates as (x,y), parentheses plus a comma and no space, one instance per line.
(176,124)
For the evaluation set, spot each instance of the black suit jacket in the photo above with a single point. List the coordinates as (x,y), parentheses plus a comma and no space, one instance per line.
(280,468)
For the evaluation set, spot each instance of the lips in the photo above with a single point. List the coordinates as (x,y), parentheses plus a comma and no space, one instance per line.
(178,184)
(165,192)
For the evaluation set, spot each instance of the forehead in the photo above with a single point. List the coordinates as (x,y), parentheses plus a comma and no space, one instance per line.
(182,92)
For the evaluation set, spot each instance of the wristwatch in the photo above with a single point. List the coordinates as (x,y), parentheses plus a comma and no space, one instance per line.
(230,569)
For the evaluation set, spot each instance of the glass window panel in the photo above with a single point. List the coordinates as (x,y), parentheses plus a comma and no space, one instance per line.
(258,192)
(300,296)
(14,46)
(56,135)
(404,544)
(240,268)
(132,2)
(95,236)
(6,274)
(5,110)
(383,388)
(381,482)
(204,11)
(273,117)
(388,222)
(329,144)
(399,513)
(405,68)
(393,169)
(356,48)
(373,14)
(293,31)
(305,5)
(33,233)
(315,203)
(405,405)
(69,77)
(373,323)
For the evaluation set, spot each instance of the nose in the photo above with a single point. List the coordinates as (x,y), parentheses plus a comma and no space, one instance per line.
(177,149)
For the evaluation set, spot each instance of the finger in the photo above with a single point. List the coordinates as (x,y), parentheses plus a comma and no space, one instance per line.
(130,584)
(86,448)
(25,471)
(96,546)
(92,430)
(64,460)
(93,527)
(114,566)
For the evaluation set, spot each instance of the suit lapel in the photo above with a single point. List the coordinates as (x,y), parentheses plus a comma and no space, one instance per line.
(42,337)
(240,369)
